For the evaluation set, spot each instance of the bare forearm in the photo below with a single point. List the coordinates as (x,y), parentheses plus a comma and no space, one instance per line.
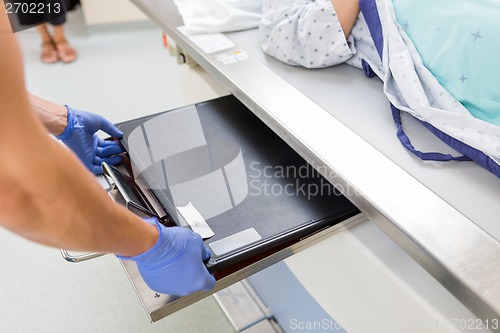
(46,195)
(53,200)
(53,116)
(347,12)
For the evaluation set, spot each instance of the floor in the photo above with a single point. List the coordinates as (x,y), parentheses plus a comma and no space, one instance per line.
(121,74)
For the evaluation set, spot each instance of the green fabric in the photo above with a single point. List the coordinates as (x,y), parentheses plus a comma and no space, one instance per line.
(459,42)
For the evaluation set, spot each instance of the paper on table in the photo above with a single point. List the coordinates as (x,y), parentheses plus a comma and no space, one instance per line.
(195,221)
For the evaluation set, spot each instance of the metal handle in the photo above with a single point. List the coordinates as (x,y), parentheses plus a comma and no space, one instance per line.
(81,257)
(108,186)
(118,193)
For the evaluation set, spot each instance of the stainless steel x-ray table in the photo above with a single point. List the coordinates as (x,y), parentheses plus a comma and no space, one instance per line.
(445,216)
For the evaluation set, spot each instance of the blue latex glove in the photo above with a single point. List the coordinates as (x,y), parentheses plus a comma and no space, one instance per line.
(174,265)
(80,136)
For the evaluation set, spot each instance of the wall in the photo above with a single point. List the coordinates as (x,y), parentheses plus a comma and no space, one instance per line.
(99,12)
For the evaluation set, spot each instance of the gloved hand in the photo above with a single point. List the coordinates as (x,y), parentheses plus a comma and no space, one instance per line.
(174,265)
(80,136)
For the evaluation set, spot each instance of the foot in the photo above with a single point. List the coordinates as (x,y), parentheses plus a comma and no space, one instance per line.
(65,52)
(49,53)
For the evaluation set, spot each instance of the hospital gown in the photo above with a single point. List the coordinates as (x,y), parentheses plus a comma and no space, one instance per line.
(308,33)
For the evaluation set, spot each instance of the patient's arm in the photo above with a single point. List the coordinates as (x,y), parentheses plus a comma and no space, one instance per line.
(312,34)
(347,12)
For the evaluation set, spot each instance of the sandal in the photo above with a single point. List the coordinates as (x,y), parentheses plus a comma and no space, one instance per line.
(65,52)
(49,53)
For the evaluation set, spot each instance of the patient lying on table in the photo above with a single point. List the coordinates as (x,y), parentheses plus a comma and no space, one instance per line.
(437,63)
(317,34)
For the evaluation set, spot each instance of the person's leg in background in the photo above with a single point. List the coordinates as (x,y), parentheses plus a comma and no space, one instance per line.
(55,46)
(49,53)
(65,52)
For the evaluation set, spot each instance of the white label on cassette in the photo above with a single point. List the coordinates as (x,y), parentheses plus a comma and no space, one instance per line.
(235,241)
(195,221)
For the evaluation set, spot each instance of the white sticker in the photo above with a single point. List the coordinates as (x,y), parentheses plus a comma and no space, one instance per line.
(232,57)
(209,42)
(235,241)
(195,221)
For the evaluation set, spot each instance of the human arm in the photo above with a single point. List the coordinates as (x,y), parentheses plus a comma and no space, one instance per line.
(54,116)
(77,129)
(40,197)
(312,34)
(347,12)
(47,196)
